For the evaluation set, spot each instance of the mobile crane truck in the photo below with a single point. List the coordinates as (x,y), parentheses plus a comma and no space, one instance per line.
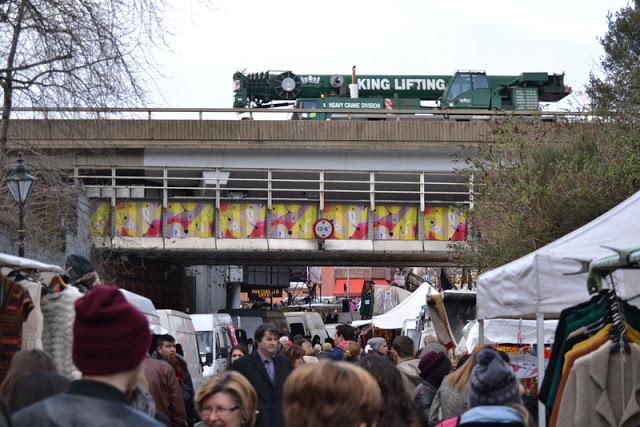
(464,90)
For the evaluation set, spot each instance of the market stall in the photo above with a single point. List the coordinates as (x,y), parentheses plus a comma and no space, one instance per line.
(544,282)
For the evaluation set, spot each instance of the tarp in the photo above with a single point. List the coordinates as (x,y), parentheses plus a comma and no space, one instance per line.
(507,331)
(537,282)
(20,263)
(407,309)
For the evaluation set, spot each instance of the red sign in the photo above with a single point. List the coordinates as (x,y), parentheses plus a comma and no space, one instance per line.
(323,228)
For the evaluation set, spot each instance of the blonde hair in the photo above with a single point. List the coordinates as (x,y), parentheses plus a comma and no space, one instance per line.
(352,352)
(319,394)
(233,383)
(459,379)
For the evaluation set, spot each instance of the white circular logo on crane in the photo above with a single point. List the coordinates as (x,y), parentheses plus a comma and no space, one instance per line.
(323,228)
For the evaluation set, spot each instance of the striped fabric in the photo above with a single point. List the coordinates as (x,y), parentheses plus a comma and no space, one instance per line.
(14,311)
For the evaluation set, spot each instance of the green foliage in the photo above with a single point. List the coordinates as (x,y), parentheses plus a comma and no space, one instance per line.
(619,89)
(538,182)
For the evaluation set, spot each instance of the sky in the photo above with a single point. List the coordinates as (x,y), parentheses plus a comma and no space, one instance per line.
(211,39)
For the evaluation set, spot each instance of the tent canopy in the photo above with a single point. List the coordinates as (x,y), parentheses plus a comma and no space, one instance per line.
(507,331)
(538,282)
(407,309)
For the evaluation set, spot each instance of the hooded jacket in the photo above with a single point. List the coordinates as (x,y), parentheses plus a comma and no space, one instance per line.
(410,374)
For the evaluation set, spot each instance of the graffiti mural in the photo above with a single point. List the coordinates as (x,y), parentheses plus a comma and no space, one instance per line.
(395,223)
(292,221)
(189,220)
(243,221)
(349,221)
(138,219)
(99,218)
(445,223)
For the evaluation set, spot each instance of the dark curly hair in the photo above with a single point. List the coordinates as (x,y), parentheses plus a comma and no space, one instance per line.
(397,406)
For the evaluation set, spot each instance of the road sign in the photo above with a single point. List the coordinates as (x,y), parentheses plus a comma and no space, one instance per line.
(323,228)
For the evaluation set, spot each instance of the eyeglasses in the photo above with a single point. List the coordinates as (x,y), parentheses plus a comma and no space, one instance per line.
(219,410)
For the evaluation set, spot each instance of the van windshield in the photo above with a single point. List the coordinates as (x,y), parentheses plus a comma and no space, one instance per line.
(205,341)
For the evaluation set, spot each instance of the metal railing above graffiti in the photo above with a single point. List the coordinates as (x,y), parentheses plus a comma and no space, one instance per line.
(275,203)
(276,185)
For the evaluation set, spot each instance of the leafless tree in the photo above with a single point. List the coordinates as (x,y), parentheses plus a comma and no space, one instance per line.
(79,53)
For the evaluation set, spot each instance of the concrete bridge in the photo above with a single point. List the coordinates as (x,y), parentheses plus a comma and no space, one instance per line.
(249,191)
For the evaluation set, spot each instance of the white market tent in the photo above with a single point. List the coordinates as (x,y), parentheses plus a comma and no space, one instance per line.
(538,285)
(506,331)
(407,309)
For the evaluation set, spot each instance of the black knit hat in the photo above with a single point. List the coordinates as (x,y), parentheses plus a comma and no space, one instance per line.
(492,381)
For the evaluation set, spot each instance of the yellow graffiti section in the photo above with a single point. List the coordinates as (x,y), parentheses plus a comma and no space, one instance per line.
(349,221)
(243,221)
(99,222)
(445,223)
(292,221)
(189,220)
(138,219)
(395,223)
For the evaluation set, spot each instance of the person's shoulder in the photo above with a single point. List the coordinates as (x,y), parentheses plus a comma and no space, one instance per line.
(43,413)
(137,418)
(244,362)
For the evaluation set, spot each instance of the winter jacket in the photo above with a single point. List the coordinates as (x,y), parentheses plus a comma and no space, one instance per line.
(165,390)
(447,403)
(503,416)
(410,374)
(593,395)
(270,393)
(87,403)
(422,397)
(338,352)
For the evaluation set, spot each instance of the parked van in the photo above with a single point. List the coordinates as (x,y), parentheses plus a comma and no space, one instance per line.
(145,305)
(180,326)
(214,341)
(249,320)
(306,323)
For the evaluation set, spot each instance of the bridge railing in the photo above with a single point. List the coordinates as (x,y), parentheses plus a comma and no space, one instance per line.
(276,203)
(197,113)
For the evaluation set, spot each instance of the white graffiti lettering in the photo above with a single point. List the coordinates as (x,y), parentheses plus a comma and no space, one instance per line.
(407,84)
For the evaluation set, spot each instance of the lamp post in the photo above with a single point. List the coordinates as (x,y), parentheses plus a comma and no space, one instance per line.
(20,185)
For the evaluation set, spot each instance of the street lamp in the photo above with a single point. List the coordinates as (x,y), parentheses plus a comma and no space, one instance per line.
(20,184)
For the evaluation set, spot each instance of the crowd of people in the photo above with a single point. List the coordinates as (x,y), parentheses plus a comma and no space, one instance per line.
(280,382)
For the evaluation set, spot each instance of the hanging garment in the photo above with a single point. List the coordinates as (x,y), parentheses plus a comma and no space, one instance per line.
(57,336)
(389,299)
(603,389)
(14,311)
(32,327)
(572,319)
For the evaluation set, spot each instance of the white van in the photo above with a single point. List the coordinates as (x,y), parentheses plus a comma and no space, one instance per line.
(180,326)
(214,341)
(147,308)
(306,323)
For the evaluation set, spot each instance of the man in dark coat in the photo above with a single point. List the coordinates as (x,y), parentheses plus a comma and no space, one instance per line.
(267,372)
(110,339)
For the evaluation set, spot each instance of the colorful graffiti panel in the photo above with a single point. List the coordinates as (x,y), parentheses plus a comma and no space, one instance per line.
(395,223)
(292,221)
(445,223)
(189,220)
(349,221)
(99,218)
(138,219)
(243,221)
